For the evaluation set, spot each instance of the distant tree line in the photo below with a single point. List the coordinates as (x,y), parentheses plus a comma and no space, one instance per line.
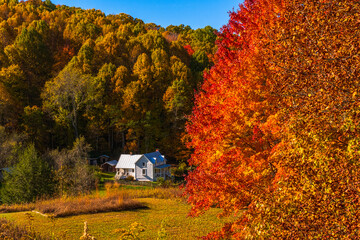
(120,83)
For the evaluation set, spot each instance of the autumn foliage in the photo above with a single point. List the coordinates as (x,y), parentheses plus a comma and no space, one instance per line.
(275,127)
(123,84)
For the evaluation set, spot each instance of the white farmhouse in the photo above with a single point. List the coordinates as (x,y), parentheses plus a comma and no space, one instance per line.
(143,167)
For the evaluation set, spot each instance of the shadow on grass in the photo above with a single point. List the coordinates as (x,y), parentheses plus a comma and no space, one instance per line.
(88,205)
(144,207)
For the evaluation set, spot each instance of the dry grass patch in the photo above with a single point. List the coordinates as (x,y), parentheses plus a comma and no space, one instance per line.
(116,197)
(17,208)
(88,204)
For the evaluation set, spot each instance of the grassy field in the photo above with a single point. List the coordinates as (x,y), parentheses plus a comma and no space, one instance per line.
(173,214)
(165,211)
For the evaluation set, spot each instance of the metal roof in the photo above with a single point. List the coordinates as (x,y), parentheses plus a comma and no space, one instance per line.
(112,162)
(127,161)
(163,166)
(154,156)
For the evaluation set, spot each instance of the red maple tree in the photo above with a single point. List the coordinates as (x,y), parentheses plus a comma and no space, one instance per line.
(275,127)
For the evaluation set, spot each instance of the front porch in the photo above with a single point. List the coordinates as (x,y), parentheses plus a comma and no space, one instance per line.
(122,173)
(162,171)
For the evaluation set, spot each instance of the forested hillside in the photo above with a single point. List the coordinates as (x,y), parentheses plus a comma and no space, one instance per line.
(122,84)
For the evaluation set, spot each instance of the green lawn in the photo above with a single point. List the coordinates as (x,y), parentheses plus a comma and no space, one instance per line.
(107,176)
(103,225)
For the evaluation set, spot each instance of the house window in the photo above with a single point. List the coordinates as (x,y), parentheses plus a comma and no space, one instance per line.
(143,164)
(132,170)
(144,172)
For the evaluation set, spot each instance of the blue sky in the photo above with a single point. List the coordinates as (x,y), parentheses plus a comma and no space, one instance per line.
(195,13)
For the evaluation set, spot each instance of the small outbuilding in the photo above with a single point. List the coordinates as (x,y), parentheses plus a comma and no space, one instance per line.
(99,160)
(109,166)
(102,159)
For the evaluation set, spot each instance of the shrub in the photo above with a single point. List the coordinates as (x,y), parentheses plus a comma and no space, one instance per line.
(73,174)
(132,232)
(180,171)
(160,181)
(9,230)
(164,183)
(130,178)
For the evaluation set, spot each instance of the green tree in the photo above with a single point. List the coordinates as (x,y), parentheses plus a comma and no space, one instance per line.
(68,95)
(30,52)
(160,69)
(34,126)
(14,81)
(152,40)
(199,61)
(119,80)
(100,113)
(10,143)
(204,39)
(7,34)
(178,95)
(72,172)
(30,179)
(50,5)
(85,57)
(13,94)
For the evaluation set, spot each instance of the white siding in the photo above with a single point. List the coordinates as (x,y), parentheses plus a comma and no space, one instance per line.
(150,170)
(144,163)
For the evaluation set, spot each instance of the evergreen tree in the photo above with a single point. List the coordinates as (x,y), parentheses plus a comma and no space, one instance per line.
(30,179)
